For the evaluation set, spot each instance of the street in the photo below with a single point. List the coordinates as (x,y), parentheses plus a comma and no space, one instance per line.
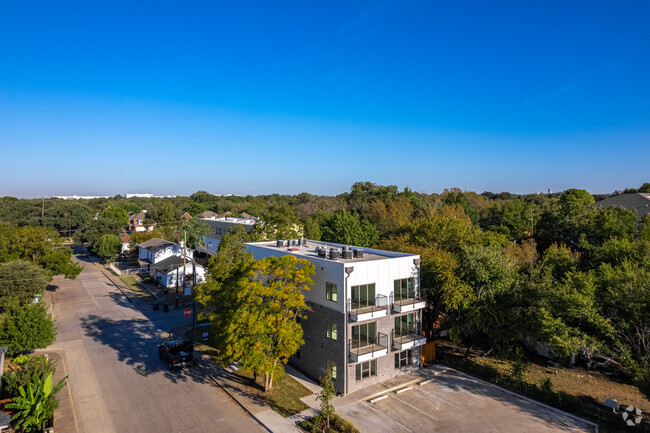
(117,382)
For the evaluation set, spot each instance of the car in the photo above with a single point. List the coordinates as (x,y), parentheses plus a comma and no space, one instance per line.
(177,353)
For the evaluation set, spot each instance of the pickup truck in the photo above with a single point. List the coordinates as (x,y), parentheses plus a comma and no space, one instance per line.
(177,353)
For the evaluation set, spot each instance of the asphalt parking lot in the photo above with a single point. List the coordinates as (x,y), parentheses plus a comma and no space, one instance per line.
(451,402)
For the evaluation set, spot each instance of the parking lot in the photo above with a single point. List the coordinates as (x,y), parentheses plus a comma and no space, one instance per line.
(450,402)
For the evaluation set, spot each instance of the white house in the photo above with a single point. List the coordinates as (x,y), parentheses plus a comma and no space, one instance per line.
(156,250)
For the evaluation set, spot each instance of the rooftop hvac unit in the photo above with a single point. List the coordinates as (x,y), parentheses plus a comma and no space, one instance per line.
(292,242)
(322,251)
(279,243)
(303,242)
(335,254)
(347,253)
(358,253)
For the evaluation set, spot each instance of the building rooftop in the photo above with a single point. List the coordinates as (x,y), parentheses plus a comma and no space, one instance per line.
(639,201)
(156,244)
(170,264)
(234,220)
(309,249)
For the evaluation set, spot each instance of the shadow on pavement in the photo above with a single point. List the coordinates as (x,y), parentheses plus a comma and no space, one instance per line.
(136,343)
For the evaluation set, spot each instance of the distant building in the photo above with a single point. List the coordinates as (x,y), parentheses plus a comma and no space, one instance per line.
(81,197)
(365,317)
(125,240)
(220,226)
(638,201)
(139,195)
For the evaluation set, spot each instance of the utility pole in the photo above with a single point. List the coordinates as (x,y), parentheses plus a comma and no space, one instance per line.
(184,259)
(176,304)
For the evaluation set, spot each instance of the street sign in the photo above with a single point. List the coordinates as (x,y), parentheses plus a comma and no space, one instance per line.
(188,312)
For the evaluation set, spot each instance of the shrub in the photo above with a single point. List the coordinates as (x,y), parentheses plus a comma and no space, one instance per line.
(28,367)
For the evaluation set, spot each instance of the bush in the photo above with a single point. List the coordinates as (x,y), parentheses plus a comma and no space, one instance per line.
(28,367)
(25,328)
(317,424)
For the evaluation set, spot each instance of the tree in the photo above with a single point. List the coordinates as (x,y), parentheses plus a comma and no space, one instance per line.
(195,230)
(21,281)
(325,396)
(117,214)
(107,246)
(255,306)
(345,228)
(36,403)
(25,328)
(95,229)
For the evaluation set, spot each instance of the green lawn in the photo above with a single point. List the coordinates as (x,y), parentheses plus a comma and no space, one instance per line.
(137,288)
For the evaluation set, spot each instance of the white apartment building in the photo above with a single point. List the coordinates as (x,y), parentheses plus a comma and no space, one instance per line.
(365,319)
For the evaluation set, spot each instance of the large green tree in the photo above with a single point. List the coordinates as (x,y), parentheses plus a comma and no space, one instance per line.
(345,228)
(107,246)
(22,281)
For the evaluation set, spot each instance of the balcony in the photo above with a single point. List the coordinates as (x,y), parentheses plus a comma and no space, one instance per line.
(374,348)
(407,340)
(360,310)
(405,302)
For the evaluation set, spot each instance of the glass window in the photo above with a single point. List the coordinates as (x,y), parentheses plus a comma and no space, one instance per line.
(331,292)
(331,330)
(404,325)
(403,289)
(364,334)
(331,367)
(366,370)
(403,359)
(363,296)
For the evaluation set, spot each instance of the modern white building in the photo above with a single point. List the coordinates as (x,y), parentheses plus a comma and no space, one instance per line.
(365,318)
(220,226)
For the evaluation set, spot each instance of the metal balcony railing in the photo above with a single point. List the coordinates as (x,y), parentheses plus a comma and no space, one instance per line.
(372,345)
(403,337)
(357,306)
(405,299)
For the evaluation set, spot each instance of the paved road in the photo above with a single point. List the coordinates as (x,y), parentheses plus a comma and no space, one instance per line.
(118,384)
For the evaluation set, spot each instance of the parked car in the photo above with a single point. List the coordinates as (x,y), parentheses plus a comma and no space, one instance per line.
(177,353)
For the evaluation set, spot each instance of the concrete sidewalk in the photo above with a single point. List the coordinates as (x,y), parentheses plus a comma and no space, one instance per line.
(239,391)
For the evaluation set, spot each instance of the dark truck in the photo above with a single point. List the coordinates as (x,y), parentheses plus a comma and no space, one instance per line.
(177,353)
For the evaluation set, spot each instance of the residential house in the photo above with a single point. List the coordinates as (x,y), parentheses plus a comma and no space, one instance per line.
(638,201)
(163,261)
(125,240)
(208,214)
(364,323)
(136,223)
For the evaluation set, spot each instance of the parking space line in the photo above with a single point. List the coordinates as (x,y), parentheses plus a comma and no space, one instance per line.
(438,398)
(386,416)
(413,407)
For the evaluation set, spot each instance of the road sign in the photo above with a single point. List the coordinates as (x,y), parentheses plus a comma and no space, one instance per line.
(188,312)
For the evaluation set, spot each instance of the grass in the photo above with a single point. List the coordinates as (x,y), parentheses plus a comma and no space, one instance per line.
(137,288)
(284,397)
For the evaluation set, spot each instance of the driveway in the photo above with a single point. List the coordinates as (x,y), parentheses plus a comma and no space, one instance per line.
(431,400)
(117,382)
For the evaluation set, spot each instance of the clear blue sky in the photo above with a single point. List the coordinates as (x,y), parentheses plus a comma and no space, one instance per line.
(244,97)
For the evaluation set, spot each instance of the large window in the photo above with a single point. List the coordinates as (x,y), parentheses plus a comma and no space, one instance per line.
(331,367)
(364,335)
(403,359)
(331,330)
(363,296)
(404,289)
(331,292)
(366,370)
(404,325)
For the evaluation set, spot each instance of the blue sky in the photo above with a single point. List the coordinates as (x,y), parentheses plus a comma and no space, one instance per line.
(262,97)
